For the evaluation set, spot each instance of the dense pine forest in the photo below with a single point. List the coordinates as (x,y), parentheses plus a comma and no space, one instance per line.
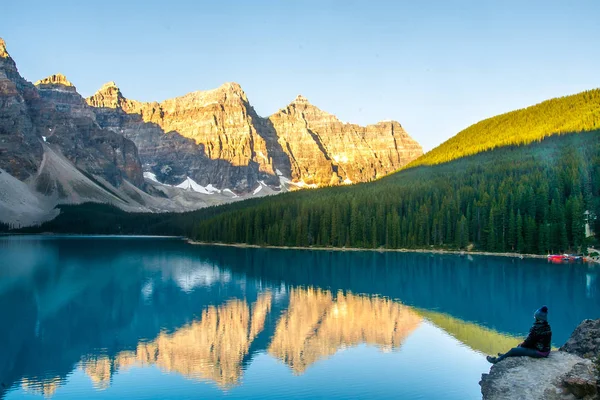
(576,113)
(530,199)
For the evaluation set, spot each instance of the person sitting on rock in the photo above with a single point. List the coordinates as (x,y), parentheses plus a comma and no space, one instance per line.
(538,341)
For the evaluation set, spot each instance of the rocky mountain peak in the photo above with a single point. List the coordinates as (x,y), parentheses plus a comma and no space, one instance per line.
(389,123)
(7,64)
(3,52)
(302,108)
(228,94)
(300,100)
(301,103)
(108,96)
(109,86)
(233,89)
(55,81)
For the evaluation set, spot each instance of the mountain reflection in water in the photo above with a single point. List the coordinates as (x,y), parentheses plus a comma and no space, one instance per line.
(106,306)
(212,348)
(316,326)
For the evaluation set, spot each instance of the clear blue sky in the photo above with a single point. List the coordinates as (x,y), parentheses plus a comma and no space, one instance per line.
(435,66)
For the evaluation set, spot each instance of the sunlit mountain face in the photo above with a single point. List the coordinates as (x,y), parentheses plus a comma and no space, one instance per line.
(106,317)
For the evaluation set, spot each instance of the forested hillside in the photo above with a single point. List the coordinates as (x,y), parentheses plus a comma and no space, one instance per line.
(576,113)
(529,199)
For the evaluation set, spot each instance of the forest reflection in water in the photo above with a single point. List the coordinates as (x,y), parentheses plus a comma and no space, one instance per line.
(100,308)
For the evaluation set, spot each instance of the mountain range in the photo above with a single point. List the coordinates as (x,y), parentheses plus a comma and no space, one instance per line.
(200,149)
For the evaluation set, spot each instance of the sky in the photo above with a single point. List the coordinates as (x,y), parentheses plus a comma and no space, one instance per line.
(434,66)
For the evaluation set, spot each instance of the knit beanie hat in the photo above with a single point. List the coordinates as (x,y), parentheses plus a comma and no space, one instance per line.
(541,314)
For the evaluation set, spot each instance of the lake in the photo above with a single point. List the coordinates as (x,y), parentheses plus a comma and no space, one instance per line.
(157,318)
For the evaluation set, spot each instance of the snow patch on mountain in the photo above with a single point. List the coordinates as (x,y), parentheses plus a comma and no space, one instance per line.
(190,184)
(212,189)
(151,176)
(230,192)
(303,184)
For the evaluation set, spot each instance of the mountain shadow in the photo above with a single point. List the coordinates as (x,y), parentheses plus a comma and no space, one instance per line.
(280,159)
(172,158)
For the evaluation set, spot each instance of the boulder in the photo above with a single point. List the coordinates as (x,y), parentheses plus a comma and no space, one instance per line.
(582,381)
(585,340)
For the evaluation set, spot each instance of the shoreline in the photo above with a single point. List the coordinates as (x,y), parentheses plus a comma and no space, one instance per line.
(379,250)
(255,246)
(91,235)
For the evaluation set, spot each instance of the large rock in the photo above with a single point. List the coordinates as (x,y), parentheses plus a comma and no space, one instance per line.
(565,374)
(215,137)
(585,340)
(582,381)
(532,378)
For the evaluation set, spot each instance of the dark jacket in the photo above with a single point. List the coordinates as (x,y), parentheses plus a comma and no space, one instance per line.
(539,338)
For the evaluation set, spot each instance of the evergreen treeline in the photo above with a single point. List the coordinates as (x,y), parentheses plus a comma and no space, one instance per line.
(529,199)
(104,219)
(576,113)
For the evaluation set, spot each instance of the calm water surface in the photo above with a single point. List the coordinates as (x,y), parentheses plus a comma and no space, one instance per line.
(94,317)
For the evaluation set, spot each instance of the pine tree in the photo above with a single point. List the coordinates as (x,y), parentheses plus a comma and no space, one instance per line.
(520,240)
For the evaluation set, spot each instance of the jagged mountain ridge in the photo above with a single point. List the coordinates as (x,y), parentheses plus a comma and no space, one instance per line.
(53,151)
(229,145)
(204,148)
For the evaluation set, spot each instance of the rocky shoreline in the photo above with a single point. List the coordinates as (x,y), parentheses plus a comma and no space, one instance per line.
(567,374)
(432,251)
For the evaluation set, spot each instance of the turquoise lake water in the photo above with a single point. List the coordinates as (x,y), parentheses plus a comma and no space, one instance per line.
(157,318)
